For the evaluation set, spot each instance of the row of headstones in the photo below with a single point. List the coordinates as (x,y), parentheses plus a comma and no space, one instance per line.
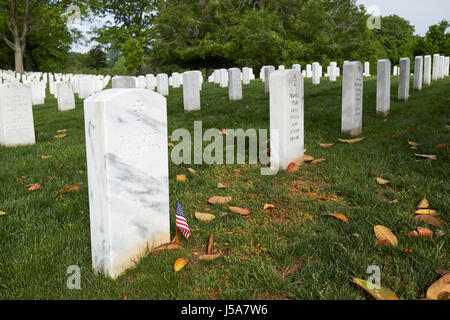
(17,99)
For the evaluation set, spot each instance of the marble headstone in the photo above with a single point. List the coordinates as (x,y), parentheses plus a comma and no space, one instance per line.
(162,80)
(123,82)
(16,115)
(352,98)
(267,72)
(383,87)
(316,73)
(127,161)
(191,92)
(405,77)
(66,98)
(286,118)
(235,84)
(427,71)
(436,67)
(418,73)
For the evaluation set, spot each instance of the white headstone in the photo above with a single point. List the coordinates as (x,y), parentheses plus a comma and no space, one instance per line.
(267,71)
(127,161)
(418,73)
(352,98)
(16,115)
(286,118)
(405,77)
(427,71)
(367,69)
(66,98)
(333,71)
(441,67)
(223,78)
(176,82)
(162,80)
(235,84)
(436,68)
(315,73)
(383,87)
(123,82)
(191,92)
(246,72)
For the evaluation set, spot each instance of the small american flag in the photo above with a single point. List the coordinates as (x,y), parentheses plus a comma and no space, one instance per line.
(181,221)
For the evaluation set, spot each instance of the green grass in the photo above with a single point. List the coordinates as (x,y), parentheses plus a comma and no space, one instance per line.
(43,233)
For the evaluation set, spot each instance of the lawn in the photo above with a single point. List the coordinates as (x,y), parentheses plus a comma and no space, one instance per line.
(294,252)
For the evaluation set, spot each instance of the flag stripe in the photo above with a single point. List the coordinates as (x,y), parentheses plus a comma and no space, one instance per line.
(181,221)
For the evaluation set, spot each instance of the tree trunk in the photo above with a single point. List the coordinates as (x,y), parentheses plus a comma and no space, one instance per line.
(18,55)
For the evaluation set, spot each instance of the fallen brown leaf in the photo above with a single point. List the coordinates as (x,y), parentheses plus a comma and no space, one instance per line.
(316,196)
(180,264)
(2,213)
(443,145)
(176,239)
(308,158)
(269,207)
(318,161)
(210,243)
(440,290)
(210,257)
(385,236)
(379,294)
(292,167)
(326,145)
(167,246)
(181,177)
(382,181)
(205,217)
(425,211)
(61,136)
(192,171)
(219,200)
(34,187)
(426,156)
(351,140)
(430,220)
(340,216)
(221,186)
(70,189)
(421,232)
(424,204)
(241,211)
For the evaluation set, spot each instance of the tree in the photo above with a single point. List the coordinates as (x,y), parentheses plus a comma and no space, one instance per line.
(437,40)
(96,58)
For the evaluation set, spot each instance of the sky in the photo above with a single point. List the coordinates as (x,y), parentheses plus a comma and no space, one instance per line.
(420,13)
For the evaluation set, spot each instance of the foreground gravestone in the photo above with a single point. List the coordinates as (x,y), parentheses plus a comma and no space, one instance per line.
(383,87)
(352,98)
(123,82)
(436,68)
(267,72)
(191,92)
(427,71)
(235,84)
(418,73)
(127,161)
(66,98)
(286,118)
(403,82)
(16,115)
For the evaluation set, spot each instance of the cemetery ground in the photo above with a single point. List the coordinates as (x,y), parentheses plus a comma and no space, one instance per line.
(294,252)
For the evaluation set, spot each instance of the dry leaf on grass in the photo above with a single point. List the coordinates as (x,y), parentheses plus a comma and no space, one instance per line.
(422,232)
(210,257)
(62,131)
(316,196)
(192,171)
(440,290)
(241,211)
(181,177)
(426,156)
(221,186)
(382,181)
(205,217)
(308,158)
(326,145)
(34,187)
(340,216)
(176,239)
(351,140)
(430,220)
(379,294)
(180,264)
(269,207)
(292,167)
(2,213)
(424,204)
(70,189)
(425,211)
(443,145)
(61,136)
(318,161)
(46,157)
(210,243)
(219,200)
(167,246)
(413,144)
(385,236)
